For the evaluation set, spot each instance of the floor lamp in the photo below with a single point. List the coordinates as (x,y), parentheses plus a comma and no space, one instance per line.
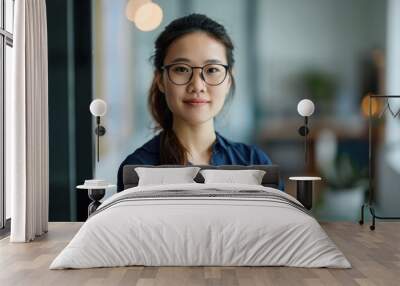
(370,202)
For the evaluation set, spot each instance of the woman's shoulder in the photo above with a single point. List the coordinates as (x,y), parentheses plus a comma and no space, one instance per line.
(251,153)
(147,154)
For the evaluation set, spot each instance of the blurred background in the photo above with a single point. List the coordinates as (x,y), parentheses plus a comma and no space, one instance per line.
(334,52)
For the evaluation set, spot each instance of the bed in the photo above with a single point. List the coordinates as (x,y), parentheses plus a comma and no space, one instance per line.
(201,224)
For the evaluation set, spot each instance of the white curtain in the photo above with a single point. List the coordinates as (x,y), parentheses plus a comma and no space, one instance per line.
(27,122)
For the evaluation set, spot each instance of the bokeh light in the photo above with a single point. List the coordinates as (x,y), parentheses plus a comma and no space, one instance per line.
(132,6)
(375,106)
(148,17)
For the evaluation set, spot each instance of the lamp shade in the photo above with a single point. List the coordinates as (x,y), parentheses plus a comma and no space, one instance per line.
(305,107)
(98,107)
(148,16)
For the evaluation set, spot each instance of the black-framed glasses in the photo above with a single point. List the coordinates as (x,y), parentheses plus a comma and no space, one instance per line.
(211,74)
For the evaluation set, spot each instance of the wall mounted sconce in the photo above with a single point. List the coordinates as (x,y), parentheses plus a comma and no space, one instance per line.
(305,108)
(98,108)
(96,187)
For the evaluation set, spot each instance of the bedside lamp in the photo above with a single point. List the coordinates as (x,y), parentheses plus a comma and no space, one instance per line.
(305,108)
(98,108)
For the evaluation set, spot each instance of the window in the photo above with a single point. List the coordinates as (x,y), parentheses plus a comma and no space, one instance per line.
(6,44)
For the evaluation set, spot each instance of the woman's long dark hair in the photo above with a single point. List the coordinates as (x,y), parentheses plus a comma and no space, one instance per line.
(171,149)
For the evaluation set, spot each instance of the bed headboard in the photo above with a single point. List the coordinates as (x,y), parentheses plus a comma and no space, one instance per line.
(270,179)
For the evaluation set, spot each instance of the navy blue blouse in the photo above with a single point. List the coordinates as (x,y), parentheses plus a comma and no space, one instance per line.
(224,152)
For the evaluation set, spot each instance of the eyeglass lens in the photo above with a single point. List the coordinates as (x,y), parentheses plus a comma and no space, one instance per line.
(212,74)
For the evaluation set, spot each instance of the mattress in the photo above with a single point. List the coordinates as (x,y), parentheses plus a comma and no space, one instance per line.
(201,225)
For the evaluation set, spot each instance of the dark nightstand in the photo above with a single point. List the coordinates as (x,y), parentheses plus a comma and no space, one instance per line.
(95,193)
(305,189)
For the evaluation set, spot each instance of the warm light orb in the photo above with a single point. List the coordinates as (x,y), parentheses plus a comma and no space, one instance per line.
(132,6)
(148,17)
(375,106)
(305,107)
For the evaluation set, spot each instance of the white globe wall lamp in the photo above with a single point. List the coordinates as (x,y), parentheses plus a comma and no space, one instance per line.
(98,108)
(305,108)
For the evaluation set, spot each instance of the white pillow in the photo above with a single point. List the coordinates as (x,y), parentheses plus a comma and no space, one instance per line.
(162,176)
(248,177)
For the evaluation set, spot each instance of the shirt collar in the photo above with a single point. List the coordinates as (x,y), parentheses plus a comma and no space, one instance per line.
(220,143)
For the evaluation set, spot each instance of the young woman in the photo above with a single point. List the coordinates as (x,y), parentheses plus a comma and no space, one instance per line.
(193,76)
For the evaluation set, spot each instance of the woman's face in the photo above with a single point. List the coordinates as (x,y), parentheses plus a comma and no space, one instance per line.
(195,102)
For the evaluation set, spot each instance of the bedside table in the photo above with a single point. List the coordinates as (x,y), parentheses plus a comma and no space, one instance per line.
(95,193)
(305,189)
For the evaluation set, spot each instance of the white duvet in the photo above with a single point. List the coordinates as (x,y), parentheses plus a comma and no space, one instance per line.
(182,231)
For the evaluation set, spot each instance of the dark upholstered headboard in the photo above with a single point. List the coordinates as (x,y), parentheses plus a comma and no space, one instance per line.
(270,179)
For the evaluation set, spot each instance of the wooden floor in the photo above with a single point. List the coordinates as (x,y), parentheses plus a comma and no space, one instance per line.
(375,256)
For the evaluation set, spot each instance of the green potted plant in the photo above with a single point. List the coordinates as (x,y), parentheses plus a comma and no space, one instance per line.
(346,185)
